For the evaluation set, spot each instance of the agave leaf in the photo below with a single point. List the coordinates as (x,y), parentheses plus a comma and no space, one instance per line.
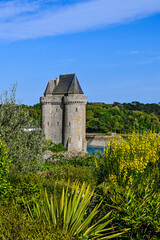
(75,199)
(98,227)
(46,209)
(68,213)
(46,214)
(74,193)
(88,219)
(37,210)
(81,210)
(28,207)
(104,230)
(113,235)
(118,208)
(46,200)
(55,195)
(78,214)
(84,226)
(99,230)
(85,200)
(53,216)
(62,203)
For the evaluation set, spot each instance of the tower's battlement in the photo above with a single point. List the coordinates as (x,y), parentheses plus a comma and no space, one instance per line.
(64,112)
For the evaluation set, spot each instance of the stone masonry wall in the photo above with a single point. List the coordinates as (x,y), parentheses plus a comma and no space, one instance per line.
(75,123)
(52,116)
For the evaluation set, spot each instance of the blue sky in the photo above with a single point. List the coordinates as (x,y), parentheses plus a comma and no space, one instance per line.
(112,45)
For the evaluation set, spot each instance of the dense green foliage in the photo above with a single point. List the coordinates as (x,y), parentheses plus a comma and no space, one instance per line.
(133,206)
(128,176)
(72,213)
(16,224)
(25,147)
(116,117)
(55,147)
(136,208)
(122,118)
(125,179)
(4,171)
(34,111)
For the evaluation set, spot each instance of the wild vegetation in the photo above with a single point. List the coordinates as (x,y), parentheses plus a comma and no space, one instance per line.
(116,117)
(114,194)
(122,118)
(25,147)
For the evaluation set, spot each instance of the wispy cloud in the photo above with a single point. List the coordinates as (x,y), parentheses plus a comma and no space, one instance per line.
(134,52)
(13,9)
(32,19)
(148,60)
(64,62)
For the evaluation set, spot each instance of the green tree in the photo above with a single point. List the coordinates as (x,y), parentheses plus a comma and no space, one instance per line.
(4,171)
(25,147)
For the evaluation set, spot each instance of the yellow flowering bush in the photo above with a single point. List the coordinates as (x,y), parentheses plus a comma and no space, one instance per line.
(134,158)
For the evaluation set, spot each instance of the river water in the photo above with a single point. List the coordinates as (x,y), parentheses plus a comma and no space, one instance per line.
(92,150)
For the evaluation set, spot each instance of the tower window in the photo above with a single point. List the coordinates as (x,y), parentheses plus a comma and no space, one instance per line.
(56,109)
(69,124)
(76,109)
(58,123)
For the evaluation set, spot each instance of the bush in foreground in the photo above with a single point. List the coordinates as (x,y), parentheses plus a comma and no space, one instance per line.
(4,171)
(25,147)
(15,224)
(72,214)
(128,174)
(129,162)
(137,209)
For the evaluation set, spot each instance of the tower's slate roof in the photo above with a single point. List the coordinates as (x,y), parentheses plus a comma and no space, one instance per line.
(50,87)
(68,84)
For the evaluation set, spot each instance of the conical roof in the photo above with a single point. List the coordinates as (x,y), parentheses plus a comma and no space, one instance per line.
(75,87)
(68,84)
(50,87)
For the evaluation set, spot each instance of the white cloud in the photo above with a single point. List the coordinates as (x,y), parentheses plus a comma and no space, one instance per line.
(12,9)
(134,52)
(148,60)
(33,19)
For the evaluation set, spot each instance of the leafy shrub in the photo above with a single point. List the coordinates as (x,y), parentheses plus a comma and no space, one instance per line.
(131,161)
(137,209)
(129,177)
(27,185)
(86,160)
(64,172)
(55,147)
(16,224)
(25,147)
(5,187)
(71,213)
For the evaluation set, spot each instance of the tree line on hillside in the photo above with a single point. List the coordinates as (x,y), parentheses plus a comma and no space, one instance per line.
(116,117)
(122,118)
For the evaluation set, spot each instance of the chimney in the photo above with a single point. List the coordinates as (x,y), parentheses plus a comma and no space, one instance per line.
(57,80)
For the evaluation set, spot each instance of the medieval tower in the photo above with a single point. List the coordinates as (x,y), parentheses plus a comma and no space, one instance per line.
(64,112)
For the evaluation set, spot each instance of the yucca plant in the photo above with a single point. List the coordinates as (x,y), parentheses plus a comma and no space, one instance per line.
(71,213)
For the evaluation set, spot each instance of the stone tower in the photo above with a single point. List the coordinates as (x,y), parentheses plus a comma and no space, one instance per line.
(64,112)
